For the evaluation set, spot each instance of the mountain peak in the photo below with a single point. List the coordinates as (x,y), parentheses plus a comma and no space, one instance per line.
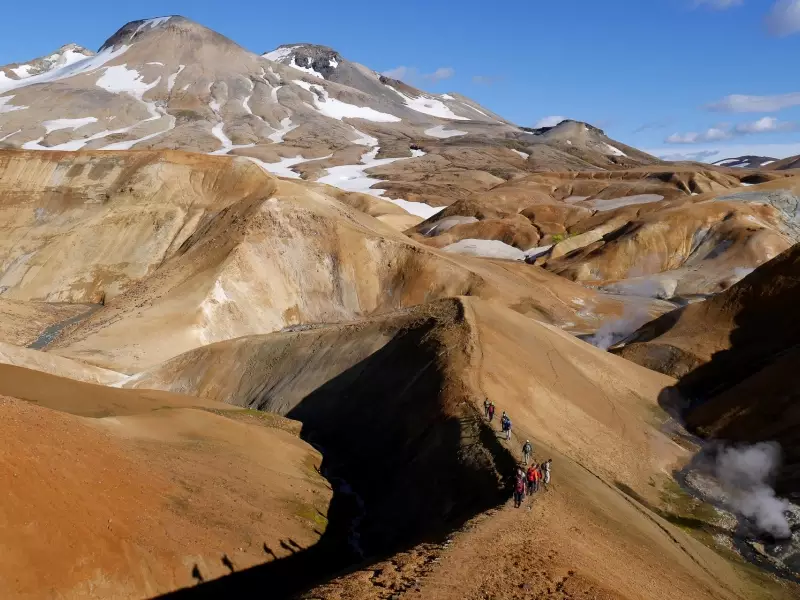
(312,59)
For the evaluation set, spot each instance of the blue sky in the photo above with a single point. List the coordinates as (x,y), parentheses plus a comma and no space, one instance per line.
(657,74)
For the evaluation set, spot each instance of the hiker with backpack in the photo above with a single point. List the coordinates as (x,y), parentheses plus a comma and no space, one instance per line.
(530,478)
(506,425)
(527,450)
(490,411)
(546,472)
(519,488)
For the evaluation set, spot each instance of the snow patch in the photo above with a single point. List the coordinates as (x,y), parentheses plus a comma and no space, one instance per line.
(308,70)
(428,106)
(524,155)
(22,71)
(150,24)
(440,132)
(353,178)
(227,145)
(286,127)
(76,67)
(364,140)
(7,109)
(336,109)
(615,151)
(446,97)
(73,124)
(171,79)
(612,203)
(279,54)
(121,79)
(282,168)
(486,249)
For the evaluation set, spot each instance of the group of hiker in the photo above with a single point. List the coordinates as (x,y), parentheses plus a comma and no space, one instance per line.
(526,481)
(505,420)
(529,482)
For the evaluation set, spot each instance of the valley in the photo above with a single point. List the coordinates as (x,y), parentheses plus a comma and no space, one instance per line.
(252,305)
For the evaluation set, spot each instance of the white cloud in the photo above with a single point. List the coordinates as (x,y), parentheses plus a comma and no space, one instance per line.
(784,17)
(765,125)
(714,152)
(549,122)
(718,4)
(412,74)
(440,74)
(727,131)
(742,103)
(400,72)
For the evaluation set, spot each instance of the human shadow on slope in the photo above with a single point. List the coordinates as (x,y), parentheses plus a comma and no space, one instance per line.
(412,456)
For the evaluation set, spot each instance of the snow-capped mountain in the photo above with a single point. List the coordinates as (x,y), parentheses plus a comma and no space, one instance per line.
(300,110)
(745,162)
(325,63)
(63,57)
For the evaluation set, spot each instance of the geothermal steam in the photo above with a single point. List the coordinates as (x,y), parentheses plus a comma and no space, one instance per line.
(745,473)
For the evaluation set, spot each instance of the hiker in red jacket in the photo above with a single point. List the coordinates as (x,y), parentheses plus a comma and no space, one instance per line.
(530,479)
(490,411)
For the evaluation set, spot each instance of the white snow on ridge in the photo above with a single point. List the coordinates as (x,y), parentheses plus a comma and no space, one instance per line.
(446,97)
(77,67)
(307,69)
(336,109)
(485,249)
(419,209)
(353,178)
(282,168)
(428,106)
(612,203)
(524,155)
(22,71)
(477,110)
(615,151)
(286,127)
(73,124)
(364,140)
(440,132)
(120,78)
(279,54)
(131,143)
(150,24)
(7,109)
(227,145)
(171,79)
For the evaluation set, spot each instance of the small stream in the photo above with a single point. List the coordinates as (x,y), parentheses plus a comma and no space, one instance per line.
(49,334)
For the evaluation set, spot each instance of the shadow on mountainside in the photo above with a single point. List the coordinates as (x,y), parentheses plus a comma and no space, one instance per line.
(748,392)
(408,451)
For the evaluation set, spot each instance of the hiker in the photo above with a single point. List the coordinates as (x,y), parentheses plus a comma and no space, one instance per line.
(527,449)
(546,472)
(537,478)
(507,427)
(529,479)
(491,411)
(486,408)
(519,491)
